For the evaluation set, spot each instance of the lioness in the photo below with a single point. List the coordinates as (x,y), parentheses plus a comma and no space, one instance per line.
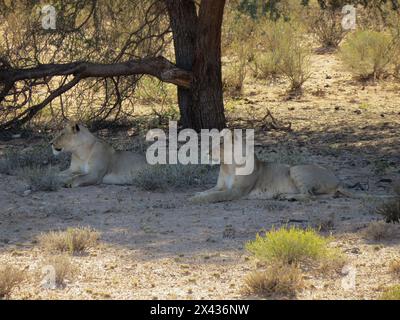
(271,181)
(93,160)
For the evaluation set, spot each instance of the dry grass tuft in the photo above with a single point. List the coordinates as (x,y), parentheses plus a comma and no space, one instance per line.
(277,280)
(379,230)
(394,267)
(72,240)
(391,293)
(57,269)
(10,277)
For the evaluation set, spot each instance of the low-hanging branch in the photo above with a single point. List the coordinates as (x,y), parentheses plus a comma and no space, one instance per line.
(158,67)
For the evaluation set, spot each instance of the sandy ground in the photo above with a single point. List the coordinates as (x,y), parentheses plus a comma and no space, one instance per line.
(159,246)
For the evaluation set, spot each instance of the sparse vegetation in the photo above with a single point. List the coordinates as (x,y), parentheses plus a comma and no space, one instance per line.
(391,293)
(238,51)
(327,28)
(61,266)
(277,280)
(72,240)
(390,210)
(13,160)
(164,177)
(368,54)
(394,267)
(379,230)
(41,179)
(292,245)
(10,277)
(284,52)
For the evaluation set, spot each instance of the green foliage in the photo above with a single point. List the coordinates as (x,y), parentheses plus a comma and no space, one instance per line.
(291,245)
(368,54)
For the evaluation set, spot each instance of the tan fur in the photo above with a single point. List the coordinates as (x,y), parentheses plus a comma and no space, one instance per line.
(272,181)
(93,160)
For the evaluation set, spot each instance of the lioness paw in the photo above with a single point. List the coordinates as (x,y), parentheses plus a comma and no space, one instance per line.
(197,198)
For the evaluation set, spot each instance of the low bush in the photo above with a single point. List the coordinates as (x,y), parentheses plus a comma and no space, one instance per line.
(72,240)
(292,245)
(391,293)
(10,277)
(368,54)
(277,280)
(164,177)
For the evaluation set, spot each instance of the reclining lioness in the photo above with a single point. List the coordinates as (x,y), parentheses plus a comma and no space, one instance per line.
(271,181)
(93,160)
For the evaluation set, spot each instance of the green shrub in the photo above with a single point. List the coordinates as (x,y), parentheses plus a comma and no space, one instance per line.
(292,245)
(391,293)
(368,54)
(164,177)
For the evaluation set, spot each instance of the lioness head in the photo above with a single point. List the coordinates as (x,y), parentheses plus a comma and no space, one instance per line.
(74,135)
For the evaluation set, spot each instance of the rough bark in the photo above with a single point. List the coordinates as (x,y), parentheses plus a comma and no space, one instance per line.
(183,21)
(208,107)
(156,66)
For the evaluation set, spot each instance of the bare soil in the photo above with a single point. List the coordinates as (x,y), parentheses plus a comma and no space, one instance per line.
(156,245)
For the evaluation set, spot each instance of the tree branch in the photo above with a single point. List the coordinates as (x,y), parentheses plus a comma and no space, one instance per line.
(158,67)
(32,111)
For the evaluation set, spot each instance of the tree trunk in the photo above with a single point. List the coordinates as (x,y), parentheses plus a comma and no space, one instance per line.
(197,42)
(183,20)
(208,105)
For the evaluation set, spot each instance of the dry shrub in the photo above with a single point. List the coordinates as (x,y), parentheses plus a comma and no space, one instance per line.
(368,54)
(238,41)
(390,210)
(174,176)
(277,280)
(379,230)
(327,27)
(394,267)
(10,277)
(59,269)
(41,179)
(283,52)
(391,293)
(37,156)
(72,240)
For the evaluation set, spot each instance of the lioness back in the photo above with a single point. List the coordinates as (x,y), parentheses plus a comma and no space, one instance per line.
(123,167)
(94,160)
(314,179)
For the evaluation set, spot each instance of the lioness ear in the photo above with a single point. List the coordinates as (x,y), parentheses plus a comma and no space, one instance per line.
(75,128)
